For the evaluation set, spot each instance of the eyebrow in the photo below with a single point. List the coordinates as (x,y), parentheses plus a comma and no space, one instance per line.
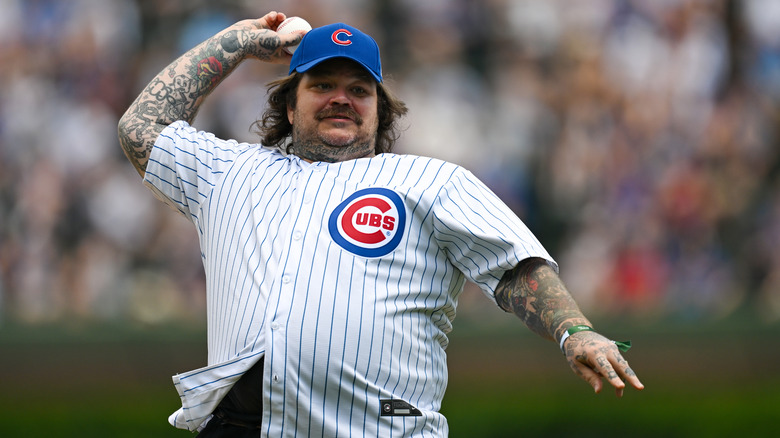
(357,73)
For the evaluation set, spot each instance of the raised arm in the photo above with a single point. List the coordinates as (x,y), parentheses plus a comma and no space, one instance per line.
(177,92)
(534,292)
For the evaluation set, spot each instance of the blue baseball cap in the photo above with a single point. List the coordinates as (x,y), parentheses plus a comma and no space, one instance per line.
(337,40)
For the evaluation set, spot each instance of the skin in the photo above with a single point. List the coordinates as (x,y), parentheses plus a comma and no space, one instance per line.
(534,292)
(335,119)
(177,92)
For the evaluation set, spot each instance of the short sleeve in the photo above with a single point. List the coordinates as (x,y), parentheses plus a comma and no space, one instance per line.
(483,237)
(186,164)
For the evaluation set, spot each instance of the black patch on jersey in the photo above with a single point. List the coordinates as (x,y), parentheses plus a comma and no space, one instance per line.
(398,408)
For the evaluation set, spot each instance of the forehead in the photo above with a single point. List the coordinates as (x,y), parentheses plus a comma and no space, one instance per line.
(340,67)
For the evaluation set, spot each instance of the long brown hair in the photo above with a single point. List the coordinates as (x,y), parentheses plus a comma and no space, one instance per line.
(274,128)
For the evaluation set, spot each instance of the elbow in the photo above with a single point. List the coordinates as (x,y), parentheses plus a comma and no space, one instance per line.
(123,131)
(135,149)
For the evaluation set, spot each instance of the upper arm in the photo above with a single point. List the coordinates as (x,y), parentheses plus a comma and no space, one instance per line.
(483,237)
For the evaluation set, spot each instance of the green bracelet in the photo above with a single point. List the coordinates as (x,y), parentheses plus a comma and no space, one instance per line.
(621,345)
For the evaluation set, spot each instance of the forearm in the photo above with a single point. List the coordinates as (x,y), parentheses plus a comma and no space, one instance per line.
(177,92)
(534,292)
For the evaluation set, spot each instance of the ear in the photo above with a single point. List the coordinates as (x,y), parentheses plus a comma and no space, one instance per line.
(292,100)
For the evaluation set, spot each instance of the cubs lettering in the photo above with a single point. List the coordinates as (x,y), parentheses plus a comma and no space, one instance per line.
(369,223)
(375,220)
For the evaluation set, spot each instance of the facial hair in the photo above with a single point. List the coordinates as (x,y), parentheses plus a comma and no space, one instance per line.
(310,144)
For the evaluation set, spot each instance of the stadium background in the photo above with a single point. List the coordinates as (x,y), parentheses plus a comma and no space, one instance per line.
(636,138)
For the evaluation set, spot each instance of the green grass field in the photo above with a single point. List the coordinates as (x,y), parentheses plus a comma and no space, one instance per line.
(717,380)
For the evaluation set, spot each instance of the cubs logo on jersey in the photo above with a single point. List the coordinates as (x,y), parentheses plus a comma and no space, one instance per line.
(369,223)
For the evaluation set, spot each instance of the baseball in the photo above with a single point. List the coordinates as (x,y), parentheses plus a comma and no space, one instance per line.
(290,25)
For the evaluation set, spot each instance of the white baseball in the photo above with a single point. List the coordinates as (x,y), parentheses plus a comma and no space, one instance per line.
(290,25)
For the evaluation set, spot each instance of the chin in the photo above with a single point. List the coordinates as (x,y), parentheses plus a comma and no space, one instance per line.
(338,140)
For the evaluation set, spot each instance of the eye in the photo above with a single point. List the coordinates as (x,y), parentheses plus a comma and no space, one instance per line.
(359,91)
(322,86)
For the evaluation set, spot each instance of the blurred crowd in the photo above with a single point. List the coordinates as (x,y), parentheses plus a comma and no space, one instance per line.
(637,139)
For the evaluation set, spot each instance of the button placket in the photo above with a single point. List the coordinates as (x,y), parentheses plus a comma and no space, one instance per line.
(299,215)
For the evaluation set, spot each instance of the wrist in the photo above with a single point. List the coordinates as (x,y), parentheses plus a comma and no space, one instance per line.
(572,330)
(622,346)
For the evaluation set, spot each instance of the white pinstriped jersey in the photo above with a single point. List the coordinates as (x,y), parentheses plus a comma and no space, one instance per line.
(344,276)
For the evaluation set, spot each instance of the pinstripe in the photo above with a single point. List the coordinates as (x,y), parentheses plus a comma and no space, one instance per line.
(255,248)
(348,290)
(504,218)
(343,347)
(338,330)
(247,276)
(308,289)
(225,257)
(422,274)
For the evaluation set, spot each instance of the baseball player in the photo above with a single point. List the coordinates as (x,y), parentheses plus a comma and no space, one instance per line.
(333,266)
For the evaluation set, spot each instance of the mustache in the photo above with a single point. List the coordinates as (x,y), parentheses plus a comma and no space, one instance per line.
(344,112)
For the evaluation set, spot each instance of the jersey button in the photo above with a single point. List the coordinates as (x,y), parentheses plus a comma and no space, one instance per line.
(286,279)
(297,235)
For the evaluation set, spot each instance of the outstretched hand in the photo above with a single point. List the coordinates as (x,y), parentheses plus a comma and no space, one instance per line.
(593,357)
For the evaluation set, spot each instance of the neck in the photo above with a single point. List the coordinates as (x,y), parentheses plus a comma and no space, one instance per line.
(331,154)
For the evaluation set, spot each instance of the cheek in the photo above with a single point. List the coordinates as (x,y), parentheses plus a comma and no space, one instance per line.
(370,116)
(366,108)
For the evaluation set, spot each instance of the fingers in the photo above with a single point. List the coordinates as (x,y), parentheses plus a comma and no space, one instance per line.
(587,374)
(260,39)
(625,372)
(272,20)
(292,38)
(594,359)
(593,371)
(633,380)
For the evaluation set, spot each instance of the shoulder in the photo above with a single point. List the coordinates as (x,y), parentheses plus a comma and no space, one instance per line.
(429,165)
(181,131)
(182,136)
(424,176)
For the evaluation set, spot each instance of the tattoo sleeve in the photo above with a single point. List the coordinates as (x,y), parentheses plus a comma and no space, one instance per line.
(534,292)
(177,92)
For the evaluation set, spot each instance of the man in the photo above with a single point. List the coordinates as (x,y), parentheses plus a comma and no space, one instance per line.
(333,270)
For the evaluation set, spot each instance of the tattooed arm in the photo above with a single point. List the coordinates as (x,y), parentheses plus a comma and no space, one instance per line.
(534,292)
(177,92)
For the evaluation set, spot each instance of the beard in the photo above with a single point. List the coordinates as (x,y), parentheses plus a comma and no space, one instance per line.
(310,143)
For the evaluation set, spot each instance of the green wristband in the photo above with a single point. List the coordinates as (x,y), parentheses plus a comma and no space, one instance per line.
(623,346)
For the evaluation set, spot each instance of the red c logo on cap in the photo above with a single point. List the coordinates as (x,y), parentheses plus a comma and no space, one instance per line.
(335,37)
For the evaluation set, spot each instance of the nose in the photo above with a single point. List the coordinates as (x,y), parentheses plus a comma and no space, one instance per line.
(340,97)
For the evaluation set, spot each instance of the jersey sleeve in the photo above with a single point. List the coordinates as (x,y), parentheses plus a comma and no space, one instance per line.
(185,164)
(483,237)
